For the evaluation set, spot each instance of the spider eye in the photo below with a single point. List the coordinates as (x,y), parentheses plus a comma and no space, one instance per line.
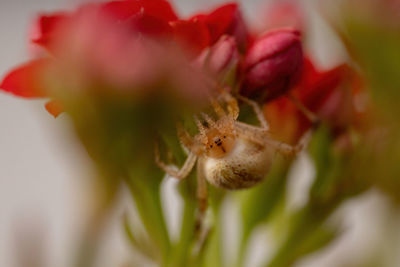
(211,146)
(224,136)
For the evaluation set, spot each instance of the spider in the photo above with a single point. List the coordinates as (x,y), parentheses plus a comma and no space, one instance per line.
(230,154)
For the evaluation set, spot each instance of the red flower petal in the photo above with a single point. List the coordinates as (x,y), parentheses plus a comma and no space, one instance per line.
(226,19)
(193,34)
(45,28)
(316,86)
(220,20)
(329,94)
(123,10)
(148,17)
(54,107)
(26,80)
(148,25)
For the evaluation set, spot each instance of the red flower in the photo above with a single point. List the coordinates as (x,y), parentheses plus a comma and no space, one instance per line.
(221,57)
(193,34)
(124,10)
(153,19)
(45,28)
(26,80)
(273,64)
(329,94)
(226,19)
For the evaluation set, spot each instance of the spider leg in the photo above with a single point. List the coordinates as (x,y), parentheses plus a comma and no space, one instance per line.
(287,149)
(232,104)
(202,196)
(308,113)
(257,111)
(261,136)
(252,133)
(181,173)
(290,150)
(217,107)
(184,136)
(211,123)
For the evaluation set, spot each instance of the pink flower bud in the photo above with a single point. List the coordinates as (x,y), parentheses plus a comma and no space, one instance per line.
(272,64)
(221,57)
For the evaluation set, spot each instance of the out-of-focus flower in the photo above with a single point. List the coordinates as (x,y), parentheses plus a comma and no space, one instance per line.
(330,94)
(193,34)
(26,80)
(221,57)
(121,43)
(273,64)
(226,19)
(44,28)
(94,54)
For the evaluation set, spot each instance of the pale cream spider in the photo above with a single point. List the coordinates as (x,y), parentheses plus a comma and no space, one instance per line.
(230,154)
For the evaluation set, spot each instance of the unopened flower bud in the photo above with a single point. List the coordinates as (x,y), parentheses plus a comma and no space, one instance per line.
(272,64)
(221,57)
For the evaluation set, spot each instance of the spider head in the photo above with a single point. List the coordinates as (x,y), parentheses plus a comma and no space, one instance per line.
(219,142)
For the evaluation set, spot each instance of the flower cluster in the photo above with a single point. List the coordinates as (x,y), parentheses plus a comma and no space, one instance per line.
(130,44)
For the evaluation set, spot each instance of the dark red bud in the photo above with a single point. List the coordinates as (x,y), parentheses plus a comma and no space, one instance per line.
(273,64)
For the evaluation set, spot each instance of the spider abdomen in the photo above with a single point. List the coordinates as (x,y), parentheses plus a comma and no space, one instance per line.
(246,165)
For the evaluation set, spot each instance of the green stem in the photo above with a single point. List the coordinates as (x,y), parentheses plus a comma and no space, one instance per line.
(182,248)
(148,203)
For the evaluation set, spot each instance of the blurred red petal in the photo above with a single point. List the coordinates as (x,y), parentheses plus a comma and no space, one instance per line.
(193,34)
(328,94)
(26,80)
(225,19)
(315,86)
(148,25)
(123,10)
(45,28)
(220,19)
(54,107)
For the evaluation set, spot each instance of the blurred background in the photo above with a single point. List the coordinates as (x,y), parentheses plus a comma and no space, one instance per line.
(46,176)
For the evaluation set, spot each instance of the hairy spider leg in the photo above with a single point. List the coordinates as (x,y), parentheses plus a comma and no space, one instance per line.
(181,173)
(202,196)
(202,129)
(190,143)
(232,104)
(308,113)
(257,111)
(261,136)
(217,107)
(185,138)
(211,123)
